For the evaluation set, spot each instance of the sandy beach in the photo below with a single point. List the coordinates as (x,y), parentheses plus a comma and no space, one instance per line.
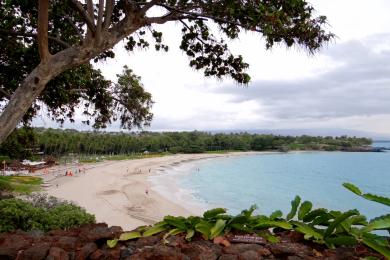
(119,193)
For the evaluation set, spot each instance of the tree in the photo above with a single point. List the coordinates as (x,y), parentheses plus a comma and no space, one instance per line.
(42,43)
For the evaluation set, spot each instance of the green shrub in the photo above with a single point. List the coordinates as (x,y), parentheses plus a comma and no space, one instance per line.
(18,214)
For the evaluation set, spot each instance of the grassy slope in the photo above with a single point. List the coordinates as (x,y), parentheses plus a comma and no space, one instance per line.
(20,184)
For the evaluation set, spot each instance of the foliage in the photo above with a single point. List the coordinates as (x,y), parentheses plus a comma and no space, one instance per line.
(66,35)
(19,214)
(128,145)
(20,184)
(332,228)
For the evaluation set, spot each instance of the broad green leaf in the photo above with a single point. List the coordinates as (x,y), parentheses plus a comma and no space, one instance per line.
(248,212)
(276,214)
(190,234)
(314,214)
(112,243)
(341,241)
(304,209)
(373,243)
(270,238)
(129,236)
(171,232)
(273,224)
(212,213)
(382,222)
(178,222)
(204,228)
(376,198)
(241,227)
(217,229)
(338,220)
(352,188)
(307,231)
(154,230)
(224,217)
(294,207)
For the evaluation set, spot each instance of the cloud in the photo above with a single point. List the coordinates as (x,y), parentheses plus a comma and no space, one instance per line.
(358,86)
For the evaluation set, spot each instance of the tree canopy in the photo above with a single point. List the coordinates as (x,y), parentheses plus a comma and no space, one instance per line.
(46,49)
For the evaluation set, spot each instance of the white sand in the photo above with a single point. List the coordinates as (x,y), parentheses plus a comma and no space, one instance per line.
(115,191)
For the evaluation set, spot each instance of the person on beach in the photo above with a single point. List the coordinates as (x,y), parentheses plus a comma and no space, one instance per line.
(147,191)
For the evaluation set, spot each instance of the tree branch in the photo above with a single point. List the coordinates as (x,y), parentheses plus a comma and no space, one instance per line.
(80,9)
(149,5)
(107,17)
(99,22)
(197,15)
(43,26)
(34,35)
(74,27)
(6,94)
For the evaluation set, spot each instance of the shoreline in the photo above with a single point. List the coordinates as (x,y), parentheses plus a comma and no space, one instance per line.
(120,193)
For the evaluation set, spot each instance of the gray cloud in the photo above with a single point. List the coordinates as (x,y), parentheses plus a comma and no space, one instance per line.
(358,86)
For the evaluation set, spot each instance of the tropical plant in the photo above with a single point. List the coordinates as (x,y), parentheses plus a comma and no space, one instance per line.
(328,227)
(18,214)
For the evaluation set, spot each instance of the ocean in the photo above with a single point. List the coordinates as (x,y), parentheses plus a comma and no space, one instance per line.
(271,181)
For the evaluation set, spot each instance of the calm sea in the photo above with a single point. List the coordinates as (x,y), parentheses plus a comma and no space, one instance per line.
(272,180)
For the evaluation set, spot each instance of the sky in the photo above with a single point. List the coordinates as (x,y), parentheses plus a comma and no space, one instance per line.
(346,85)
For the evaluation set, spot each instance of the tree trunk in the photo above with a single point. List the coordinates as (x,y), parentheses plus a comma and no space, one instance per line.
(32,86)
(35,82)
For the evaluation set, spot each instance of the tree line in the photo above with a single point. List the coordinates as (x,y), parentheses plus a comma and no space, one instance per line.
(25,142)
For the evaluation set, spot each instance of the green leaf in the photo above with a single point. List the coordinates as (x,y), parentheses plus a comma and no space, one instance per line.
(338,220)
(308,231)
(270,238)
(178,222)
(212,213)
(217,229)
(190,234)
(248,212)
(294,207)
(129,236)
(305,208)
(204,228)
(172,232)
(276,214)
(154,230)
(379,247)
(314,214)
(341,241)
(382,222)
(352,188)
(376,198)
(273,223)
(112,243)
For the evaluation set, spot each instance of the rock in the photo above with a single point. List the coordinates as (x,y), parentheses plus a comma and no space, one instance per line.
(249,255)
(67,243)
(86,250)
(56,253)
(99,254)
(114,253)
(159,252)
(126,252)
(147,241)
(36,252)
(289,249)
(236,249)
(228,257)
(11,244)
(97,232)
(201,250)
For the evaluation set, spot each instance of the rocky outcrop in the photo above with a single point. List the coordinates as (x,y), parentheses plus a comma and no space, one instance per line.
(89,242)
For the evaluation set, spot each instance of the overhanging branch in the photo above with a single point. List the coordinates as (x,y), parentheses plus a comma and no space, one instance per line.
(80,9)
(34,35)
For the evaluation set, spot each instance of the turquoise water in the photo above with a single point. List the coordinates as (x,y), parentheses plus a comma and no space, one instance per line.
(272,180)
